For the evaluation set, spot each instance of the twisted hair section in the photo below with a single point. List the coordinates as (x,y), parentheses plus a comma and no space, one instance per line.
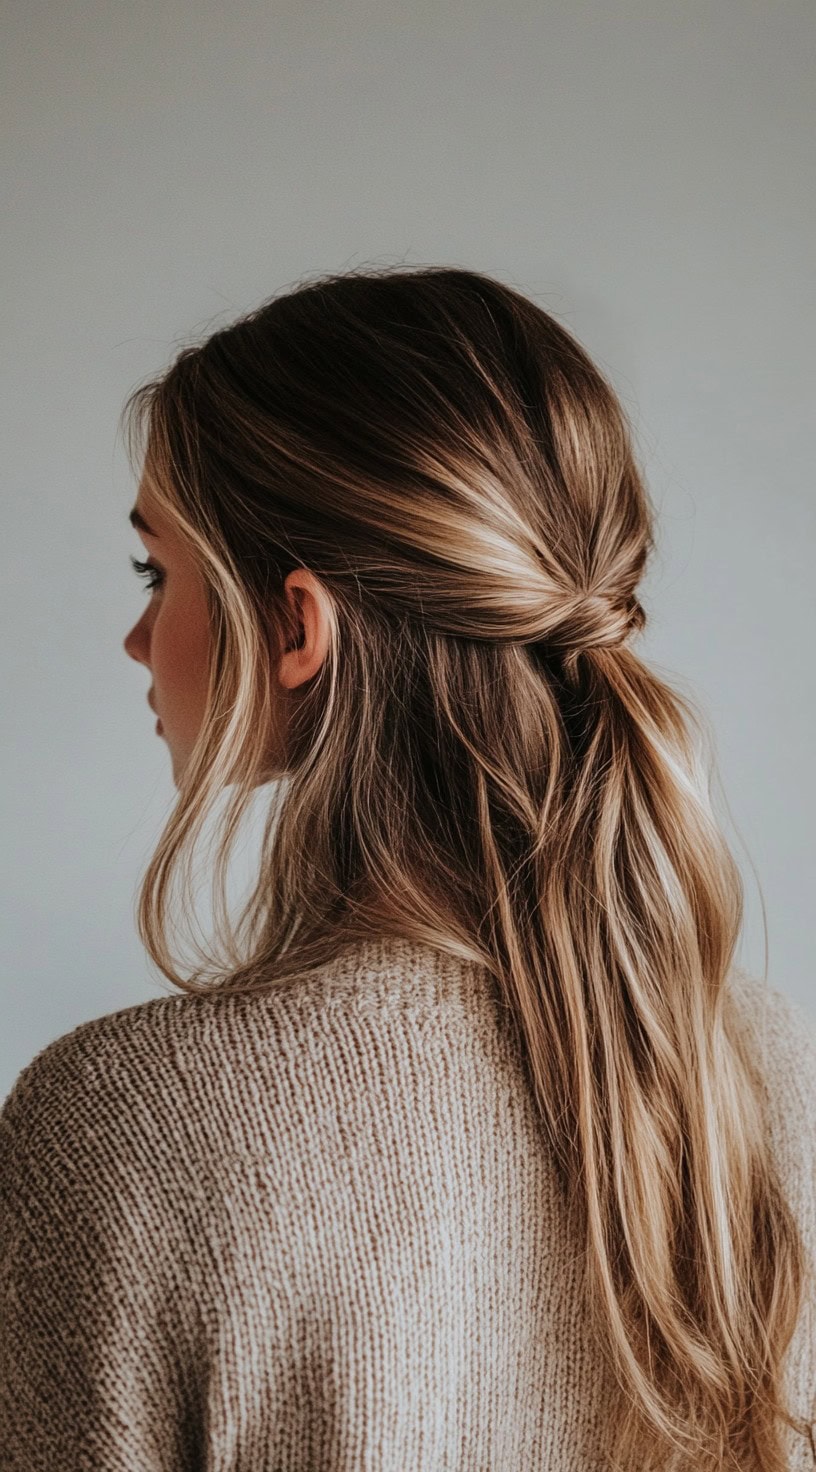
(483,762)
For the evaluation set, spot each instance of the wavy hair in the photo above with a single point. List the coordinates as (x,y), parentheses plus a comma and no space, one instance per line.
(483,763)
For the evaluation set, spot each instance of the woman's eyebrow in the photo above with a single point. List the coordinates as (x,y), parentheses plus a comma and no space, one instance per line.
(137,520)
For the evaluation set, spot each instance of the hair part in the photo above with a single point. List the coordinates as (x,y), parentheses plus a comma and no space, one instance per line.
(483,763)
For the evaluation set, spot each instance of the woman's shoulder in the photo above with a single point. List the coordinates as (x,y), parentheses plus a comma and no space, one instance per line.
(155,1056)
(781,1036)
(145,1099)
(88,1058)
(140,1066)
(77,1093)
(781,1043)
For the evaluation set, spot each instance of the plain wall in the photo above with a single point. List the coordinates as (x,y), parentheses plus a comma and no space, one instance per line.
(643,171)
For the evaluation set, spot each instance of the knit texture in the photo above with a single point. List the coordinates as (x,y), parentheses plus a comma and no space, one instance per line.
(317,1230)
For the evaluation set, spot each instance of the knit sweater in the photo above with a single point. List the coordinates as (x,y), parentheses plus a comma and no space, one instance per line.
(317,1230)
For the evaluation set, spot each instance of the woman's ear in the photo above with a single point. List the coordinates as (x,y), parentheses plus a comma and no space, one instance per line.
(308,643)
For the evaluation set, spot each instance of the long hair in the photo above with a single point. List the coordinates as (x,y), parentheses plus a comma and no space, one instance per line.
(483,763)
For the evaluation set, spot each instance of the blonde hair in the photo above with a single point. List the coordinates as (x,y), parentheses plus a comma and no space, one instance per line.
(483,763)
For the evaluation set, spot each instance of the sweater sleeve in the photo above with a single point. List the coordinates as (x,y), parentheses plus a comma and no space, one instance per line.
(782,1042)
(96,1360)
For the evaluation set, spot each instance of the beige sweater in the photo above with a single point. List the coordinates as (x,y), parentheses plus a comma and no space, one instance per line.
(316,1230)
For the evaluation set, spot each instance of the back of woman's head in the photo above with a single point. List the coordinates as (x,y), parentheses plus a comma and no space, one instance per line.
(484,763)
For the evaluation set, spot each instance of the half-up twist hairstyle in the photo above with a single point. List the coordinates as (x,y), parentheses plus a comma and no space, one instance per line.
(484,763)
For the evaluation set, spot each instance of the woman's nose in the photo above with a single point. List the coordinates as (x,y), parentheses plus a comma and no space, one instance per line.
(136,643)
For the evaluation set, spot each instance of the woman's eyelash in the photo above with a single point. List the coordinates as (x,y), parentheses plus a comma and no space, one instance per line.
(148,570)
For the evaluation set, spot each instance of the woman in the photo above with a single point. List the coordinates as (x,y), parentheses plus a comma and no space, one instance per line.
(470,1147)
